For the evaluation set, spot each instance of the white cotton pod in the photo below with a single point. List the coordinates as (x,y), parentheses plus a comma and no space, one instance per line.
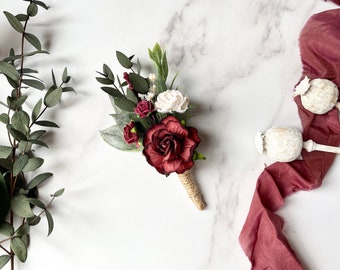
(321,96)
(283,144)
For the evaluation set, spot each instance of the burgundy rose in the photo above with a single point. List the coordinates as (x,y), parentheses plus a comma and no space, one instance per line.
(143,108)
(130,134)
(169,146)
(126,78)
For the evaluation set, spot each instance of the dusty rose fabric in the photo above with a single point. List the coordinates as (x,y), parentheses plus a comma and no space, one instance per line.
(261,237)
(336,1)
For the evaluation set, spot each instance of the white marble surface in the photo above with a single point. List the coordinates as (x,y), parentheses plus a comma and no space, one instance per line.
(238,61)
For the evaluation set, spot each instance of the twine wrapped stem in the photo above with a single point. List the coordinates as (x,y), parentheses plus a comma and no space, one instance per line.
(192,189)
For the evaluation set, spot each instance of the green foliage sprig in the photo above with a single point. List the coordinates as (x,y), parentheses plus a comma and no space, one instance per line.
(20,206)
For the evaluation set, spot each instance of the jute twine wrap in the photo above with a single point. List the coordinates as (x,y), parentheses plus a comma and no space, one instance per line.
(192,189)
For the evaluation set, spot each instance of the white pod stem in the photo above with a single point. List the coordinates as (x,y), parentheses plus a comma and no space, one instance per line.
(313,146)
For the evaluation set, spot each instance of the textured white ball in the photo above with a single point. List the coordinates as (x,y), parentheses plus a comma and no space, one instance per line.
(282,144)
(321,96)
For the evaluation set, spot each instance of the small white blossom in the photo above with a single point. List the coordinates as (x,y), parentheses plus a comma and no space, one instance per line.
(150,95)
(302,87)
(171,101)
(153,89)
(152,77)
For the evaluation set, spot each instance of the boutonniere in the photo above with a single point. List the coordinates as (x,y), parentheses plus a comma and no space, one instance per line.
(151,116)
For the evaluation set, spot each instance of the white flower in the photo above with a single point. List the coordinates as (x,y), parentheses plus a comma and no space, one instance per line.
(150,95)
(171,101)
(152,77)
(302,87)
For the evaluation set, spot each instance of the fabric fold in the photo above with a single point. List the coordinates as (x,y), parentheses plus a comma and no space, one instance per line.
(261,237)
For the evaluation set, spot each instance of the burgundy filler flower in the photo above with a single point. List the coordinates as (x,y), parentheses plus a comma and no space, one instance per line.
(130,134)
(169,146)
(126,78)
(143,108)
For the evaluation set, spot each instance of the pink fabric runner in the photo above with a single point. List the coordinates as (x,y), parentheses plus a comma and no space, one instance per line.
(261,237)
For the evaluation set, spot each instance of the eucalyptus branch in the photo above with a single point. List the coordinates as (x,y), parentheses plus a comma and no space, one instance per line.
(18,195)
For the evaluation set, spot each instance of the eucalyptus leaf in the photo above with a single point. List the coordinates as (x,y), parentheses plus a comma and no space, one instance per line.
(53,97)
(130,95)
(50,222)
(34,220)
(36,110)
(108,72)
(121,119)
(35,135)
(112,91)
(21,207)
(23,229)
(59,192)
(105,81)
(20,121)
(22,17)
(39,142)
(42,4)
(64,76)
(4,259)
(5,163)
(19,248)
(6,229)
(18,135)
(68,89)
(4,118)
(125,104)
(46,123)
(139,83)
(5,151)
(37,203)
(32,9)
(19,163)
(14,22)
(124,60)
(33,164)
(15,103)
(114,137)
(4,199)
(34,83)
(38,180)
(9,71)
(15,57)
(35,42)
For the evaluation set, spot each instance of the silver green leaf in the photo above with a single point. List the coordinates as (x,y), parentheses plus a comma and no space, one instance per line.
(5,151)
(21,206)
(50,222)
(53,97)
(32,9)
(36,110)
(4,259)
(124,60)
(19,164)
(139,83)
(35,42)
(19,248)
(4,199)
(114,136)
(14,22)
(20,121)
(34,83)
(59,192)
(39,179)
(9,71)
(33,164)
(6,229)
